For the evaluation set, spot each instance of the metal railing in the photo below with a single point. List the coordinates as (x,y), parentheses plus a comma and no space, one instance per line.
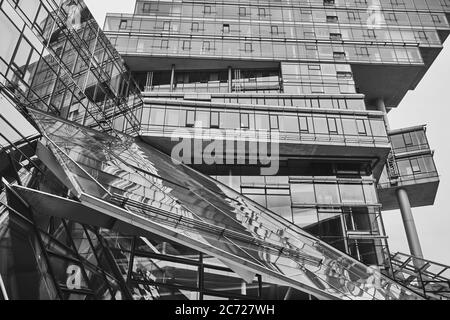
(425,277)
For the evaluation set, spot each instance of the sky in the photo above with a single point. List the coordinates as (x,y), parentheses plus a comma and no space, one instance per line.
(427,104)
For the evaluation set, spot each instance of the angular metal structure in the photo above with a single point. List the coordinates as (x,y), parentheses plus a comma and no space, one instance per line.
(288,162)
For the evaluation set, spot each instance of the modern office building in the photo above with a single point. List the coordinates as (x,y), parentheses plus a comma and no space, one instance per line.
(214,150)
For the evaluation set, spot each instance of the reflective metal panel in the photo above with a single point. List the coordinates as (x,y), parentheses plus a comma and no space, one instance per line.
(144,187)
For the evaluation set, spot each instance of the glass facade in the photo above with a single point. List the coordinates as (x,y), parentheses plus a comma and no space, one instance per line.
(111,216)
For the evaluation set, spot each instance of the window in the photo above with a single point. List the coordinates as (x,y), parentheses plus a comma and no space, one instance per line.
(190,118)
(215,120)
(422,35)
(262,122)
(313,67)
(332,19)
(206,46)
(371,33)
(164,44)
(245,121)
(436,18)
(339,55)
(415,166)
(157,116)
(123,24)
(391,17)
(353,15)
(361,127)
(226,28)
(335,36)
(289,123)
(344,75)
(352,193)
(274,29)
(194,27)
(274,123)
(147,8)
(332,126)
(304,217)
(262,12)
(408,139)
(362,51)
(304,124)
(172,117)
(397,2)
(328,2)
(242,11)
(327,193)
(150,7)
(207,10)
(303,193)
(309,35)
(320,125)
(229,120)
(186,45)
(248,47)
(166,25)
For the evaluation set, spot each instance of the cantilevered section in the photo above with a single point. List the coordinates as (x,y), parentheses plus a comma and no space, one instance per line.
(411,167)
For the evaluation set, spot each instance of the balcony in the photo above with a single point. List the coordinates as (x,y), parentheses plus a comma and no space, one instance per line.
(410,165)
(299,132)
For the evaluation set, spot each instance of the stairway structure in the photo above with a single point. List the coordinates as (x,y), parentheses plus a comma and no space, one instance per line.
(428,278)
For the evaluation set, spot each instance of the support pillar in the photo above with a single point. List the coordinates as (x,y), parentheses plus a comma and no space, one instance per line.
(409,224)
(382,107)
(230,79)
(172,78)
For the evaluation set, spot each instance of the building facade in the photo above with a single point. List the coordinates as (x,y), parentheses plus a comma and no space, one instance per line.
(208,150)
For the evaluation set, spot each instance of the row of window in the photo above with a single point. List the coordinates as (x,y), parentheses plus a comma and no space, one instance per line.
(320,193)
(352,104)
(277,31)
(266,49)
(409,141)
(288,13)
(286,202)
(288,122)
(416,166)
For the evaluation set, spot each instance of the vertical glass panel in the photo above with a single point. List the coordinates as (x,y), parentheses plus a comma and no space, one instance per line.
(202,119)
(289,123)
(280,204)
(320,125)
(262,121)
(303,193)
(370,193)
(229,120)
(10,36)
(352,193)
(304,217)
(22,265)
(157,116)
(173,117)
(327,193)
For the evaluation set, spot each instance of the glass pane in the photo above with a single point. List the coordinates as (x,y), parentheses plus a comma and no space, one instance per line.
(352,193)
(303,193)
(327,193)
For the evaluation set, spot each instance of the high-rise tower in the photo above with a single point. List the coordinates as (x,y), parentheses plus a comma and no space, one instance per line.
(278,111)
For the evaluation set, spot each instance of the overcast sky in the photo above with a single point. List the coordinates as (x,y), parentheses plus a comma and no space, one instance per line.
(426,105)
